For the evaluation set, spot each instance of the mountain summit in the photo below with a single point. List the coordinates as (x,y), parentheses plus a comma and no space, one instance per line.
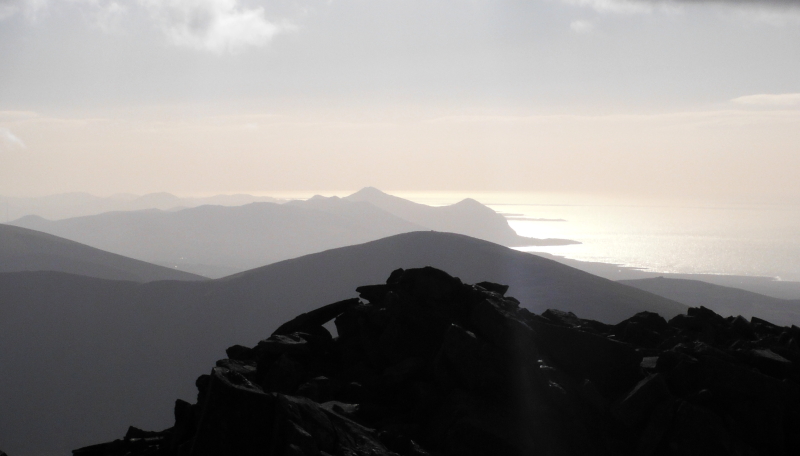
(121,351)
(467,217)
(426,365)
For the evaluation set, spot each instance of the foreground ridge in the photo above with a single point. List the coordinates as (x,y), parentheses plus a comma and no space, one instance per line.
(427,365)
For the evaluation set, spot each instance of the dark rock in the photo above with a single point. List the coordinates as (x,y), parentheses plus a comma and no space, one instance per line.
(233,418)
(315,318)
(638,404)
(696,430)
(493,287)
(769,362)
(656,428)
(742,326)
(649,320)
(560,318)
(240,353)
(431,366)
(469,359)
(373,293)
(296,344)
(317,389)
(611,365)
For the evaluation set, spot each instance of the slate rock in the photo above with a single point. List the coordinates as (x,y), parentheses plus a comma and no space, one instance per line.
(432,366)
(315,318)
(637,405)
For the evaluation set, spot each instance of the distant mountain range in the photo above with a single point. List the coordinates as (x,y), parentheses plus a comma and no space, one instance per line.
(215,241)
(73,345)
(22,249)
(68,205)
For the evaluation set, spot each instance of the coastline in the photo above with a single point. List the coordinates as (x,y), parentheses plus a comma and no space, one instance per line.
(767,286)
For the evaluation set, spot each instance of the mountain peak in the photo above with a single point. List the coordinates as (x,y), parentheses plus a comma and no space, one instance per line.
(370,191)
(469,202)
(443,351)
(323,198)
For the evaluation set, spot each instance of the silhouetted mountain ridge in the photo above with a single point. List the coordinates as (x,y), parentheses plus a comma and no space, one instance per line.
(101,340)
(78,204)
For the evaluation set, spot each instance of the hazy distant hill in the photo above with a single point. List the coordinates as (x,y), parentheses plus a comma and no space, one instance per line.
(465,217)
(725,301)
(73,346)
(68,205)
(22,249)
(215,241)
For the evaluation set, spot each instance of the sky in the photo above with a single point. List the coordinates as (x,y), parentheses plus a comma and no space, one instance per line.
(687,99)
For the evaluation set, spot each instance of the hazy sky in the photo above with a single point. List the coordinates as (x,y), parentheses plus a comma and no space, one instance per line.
(684,98)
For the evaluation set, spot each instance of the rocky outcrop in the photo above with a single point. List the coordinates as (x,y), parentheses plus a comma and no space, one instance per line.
(427,365)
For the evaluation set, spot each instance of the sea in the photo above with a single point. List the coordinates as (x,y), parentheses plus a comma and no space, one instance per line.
(665,236)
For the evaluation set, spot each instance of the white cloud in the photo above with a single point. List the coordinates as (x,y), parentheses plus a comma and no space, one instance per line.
(614,6)
(30,8)
(106,15)
(765,10)
(9,141)
(581,26)
(764,99)
(212,25)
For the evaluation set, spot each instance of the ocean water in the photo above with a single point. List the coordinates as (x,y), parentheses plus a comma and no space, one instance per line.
(657,236)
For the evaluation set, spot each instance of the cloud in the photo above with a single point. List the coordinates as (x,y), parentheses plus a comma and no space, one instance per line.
(106,15)
(212,25)
(616,6)
(218,26)
(12,116)
(30,8)
(581,26)
(795,3)
(9,141)
(647,6)
(783,99)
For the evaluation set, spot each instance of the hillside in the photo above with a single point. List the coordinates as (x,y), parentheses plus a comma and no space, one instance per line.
(726,301)
(22,249)
(101,340)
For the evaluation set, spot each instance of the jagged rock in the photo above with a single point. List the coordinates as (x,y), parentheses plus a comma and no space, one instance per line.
(430,366)
(610,364)
(315,318)
(493,287)
(636,406)
(240,353)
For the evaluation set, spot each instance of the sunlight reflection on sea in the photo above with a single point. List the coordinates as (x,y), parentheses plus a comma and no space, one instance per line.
(660,236)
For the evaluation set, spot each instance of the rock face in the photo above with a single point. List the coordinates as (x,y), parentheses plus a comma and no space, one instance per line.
(427,365)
